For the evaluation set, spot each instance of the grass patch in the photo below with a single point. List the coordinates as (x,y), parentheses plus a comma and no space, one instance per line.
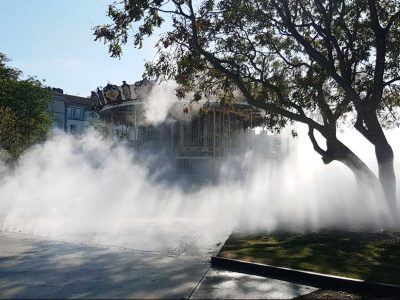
(368,256)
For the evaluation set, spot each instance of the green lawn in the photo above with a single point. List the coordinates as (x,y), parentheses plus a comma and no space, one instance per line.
(369,256)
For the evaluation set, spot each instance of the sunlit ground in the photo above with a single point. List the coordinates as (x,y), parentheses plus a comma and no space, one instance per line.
(371,256)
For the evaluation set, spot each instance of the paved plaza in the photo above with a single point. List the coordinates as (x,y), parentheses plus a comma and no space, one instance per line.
(159,260)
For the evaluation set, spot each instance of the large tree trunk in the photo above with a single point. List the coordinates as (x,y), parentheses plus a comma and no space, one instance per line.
(336,150)
(365,177)
(385,159)
(387,177)
(367,182)
(363,174)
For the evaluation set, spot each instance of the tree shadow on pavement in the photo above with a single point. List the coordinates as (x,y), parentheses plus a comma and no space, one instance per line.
(35,268)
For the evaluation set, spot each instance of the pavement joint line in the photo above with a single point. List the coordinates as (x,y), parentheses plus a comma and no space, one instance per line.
(198,284)
(304,277)
(80,243)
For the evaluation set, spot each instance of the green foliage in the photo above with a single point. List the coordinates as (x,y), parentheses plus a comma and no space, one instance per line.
(367,256)
(10,135)
(322,62)
(24,110)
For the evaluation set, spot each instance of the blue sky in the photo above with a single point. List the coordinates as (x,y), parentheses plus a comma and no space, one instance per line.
(53,39)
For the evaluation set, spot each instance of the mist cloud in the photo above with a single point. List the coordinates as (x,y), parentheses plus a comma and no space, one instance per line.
(70,186)
(160,101)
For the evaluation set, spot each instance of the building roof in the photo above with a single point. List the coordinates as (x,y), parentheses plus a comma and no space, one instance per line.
(81,101)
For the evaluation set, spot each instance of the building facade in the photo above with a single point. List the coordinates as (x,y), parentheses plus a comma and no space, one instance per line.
(79,114)
(57,109)
(71,114)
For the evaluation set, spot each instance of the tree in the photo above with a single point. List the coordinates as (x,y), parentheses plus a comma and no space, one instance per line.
(320,62)
(25,119)
(10,136)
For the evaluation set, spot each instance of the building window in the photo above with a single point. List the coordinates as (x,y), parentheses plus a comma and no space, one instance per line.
(56,123)
(72,128)
(76,113)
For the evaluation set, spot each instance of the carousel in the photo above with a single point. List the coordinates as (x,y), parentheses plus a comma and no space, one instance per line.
(196,142)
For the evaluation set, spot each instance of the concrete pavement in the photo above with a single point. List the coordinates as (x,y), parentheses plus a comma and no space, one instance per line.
(220,284)
(160,263)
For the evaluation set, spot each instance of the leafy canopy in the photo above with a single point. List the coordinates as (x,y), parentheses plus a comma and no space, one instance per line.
(307,61)
(25,119)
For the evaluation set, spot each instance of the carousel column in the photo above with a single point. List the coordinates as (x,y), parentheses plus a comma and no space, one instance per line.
(205,129)
(181,134)
(111,133)
(126,125)
(172,137)
(136,131)
(251,126)
(229,129)
(214,144)
(214,133)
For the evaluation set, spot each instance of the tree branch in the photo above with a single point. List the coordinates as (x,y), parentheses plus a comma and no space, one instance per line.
(284,13)
(386,83)
(392,19)
(325,157)
(359,125)
(380,43)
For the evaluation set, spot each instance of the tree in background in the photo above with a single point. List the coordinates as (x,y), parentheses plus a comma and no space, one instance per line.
(10,135)
(25,119)
(322,63)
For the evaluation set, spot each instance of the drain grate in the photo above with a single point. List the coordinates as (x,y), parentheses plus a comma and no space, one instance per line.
(182,247)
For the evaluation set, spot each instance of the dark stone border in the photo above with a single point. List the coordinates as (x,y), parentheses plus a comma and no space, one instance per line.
(307,278)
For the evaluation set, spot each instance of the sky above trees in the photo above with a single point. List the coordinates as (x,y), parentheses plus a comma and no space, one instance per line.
(54,40)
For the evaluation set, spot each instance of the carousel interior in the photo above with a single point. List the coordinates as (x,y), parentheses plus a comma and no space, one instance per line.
(196,143)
